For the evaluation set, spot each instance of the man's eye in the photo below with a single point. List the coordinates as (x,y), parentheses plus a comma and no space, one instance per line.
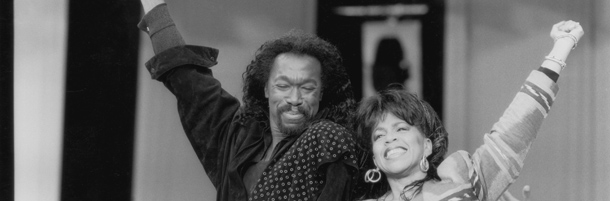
(309,88)
(282,86)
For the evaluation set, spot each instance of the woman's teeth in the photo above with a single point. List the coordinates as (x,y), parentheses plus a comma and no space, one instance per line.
(395,152)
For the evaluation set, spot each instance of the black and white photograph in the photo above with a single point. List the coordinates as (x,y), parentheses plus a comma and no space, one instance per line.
(303,100)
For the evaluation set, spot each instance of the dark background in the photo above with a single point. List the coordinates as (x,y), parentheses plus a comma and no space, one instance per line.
(346,33)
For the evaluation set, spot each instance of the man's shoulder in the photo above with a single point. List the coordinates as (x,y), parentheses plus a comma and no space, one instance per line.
(327,134)
(330,142)
(328,125)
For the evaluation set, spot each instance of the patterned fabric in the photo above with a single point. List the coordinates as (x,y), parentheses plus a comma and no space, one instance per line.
(299,174)
(463,195)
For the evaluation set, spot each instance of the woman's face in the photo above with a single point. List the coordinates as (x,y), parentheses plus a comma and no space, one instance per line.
(398,146)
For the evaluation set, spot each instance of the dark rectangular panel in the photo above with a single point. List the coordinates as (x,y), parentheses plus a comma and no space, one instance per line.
(100,100)
(7,159)
(346,33)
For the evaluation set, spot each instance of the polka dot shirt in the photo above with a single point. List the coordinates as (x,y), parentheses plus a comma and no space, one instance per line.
(296,175)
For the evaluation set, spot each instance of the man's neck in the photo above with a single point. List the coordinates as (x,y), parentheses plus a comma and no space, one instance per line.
(276,138)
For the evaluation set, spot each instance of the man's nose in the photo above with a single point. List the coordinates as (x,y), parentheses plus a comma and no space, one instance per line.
(294,98)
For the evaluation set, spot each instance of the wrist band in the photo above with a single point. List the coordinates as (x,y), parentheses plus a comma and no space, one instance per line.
(558,61)
(549,73)
(569,36)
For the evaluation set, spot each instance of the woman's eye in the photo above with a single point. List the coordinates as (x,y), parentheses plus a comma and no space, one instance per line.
(376,137)
(402,129)
(282,86)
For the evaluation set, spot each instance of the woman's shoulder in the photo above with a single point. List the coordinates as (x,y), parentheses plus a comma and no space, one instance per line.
(456,167)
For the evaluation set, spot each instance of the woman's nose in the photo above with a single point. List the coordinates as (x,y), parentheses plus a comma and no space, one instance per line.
(390,138)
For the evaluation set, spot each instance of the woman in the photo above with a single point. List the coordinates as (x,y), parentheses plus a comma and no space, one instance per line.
(408,142)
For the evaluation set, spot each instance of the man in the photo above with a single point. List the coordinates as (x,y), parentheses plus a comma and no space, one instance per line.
(288,141)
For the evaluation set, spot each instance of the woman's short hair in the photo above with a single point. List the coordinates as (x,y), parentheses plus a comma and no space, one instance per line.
(409,108)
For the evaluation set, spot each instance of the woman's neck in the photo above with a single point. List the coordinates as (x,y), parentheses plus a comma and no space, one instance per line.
(397,185)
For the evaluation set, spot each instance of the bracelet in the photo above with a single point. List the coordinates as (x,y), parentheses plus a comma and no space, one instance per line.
(569,36)
(558,61)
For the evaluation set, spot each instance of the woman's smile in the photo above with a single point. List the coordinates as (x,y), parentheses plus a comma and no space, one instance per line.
(394,152)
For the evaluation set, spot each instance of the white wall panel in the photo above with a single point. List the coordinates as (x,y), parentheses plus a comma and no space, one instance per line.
(40,52)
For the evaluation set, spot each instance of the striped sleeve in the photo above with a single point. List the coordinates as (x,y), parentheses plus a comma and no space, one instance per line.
(497,163)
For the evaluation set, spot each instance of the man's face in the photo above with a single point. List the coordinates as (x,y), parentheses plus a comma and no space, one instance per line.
(294,90)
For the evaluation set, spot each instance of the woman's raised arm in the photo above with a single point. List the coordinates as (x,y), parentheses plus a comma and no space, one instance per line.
(498,162)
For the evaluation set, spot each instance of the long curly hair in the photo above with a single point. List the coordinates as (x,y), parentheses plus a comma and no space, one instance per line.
(414,111)
(337,102)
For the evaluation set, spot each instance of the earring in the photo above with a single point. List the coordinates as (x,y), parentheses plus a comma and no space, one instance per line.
(372,175)
(423,164)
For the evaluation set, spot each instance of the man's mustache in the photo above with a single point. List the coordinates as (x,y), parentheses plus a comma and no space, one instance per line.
(301,110)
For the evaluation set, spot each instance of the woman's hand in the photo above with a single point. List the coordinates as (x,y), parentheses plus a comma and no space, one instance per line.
(567,30)
(566,35)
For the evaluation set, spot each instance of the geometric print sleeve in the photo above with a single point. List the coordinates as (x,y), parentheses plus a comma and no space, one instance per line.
(497,163)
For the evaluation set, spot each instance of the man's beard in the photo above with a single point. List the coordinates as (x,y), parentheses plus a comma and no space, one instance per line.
(296,129)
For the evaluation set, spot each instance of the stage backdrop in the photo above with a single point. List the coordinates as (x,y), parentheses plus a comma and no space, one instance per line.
(74,129)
